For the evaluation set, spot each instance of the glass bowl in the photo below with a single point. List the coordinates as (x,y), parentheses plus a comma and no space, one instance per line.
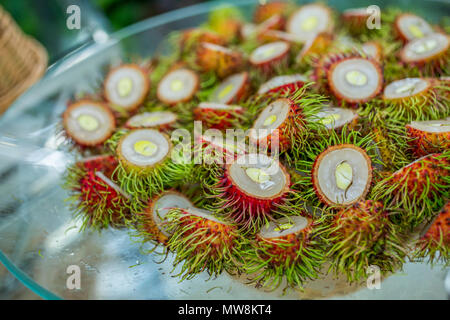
(40,242)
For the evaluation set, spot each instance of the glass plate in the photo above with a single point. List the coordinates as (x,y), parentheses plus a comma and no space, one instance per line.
(39,240)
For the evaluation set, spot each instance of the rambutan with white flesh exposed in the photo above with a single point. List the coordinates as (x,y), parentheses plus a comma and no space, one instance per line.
(148,163)
(431,54)
(250,188)
(161,120)
(431,136)
(218,115)
(434,245)
(126,87)
(410,27)
(88,123)
(202,242)
(317,45)
(310,20)
(284,250)
(265,11)
(416,99)
(283,84)
(355,20)
(222,60)
(373,50)
(418,189)
(150,220)
(191,38)
(335,118)
(94,196)
(361,235)
(232,89)
(178,85)
(270,56)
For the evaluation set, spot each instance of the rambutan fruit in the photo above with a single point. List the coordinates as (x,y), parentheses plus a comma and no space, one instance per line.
(310,20)
(226,21)
(218,115)
(354,80)
(255,31)
(202,242)
(284,249)
(126,87)
(177,86)
(336,168)
(373,50)
(161,120)
(410,27)
(435,243)
(88,123)
(94,196)
(314,46)
(416,99)
(233,89)
(265,11)
(417,189)
(150,220)
(279,122)
(429,136)
(283,84)
(252,185)
(270,56)
(148,163)
(361,235)
(277,35)
(192,37)
(334,118)
(355,20)
(222,60)
(431,54)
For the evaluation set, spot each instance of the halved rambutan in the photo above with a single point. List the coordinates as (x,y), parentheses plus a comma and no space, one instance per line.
(148,163)
(314,46)
(310,20)
(202,242)
(251,31)
(177,86)
(277,35)
(429,53)
(88,123)
(416,99)
(429,136)
(270,56)
(373,50)
(95,197)
(218,115)
(336,118)
(161,120)
(284,250)
(283,84)
(355,80)
(409,27)
(232,89)
(435,243)
(280,122)
(361,235)
(342,175)
(222,60)
(417,189)
(251,187)
(150,221)
(355,20)
(127,86)
(268,10)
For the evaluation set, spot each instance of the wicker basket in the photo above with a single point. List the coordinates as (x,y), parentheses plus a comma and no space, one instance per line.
(22,60)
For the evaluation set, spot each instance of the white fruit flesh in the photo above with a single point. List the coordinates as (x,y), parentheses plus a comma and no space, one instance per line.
(308,21)
(432,126)
(405,88)
(178,85)
(226,92)
(332,117)
(151,119)
(269,52)
(144,147)
(283,227)
(413,27)
(168,200)
(270,118)
(421,49)
(219,106)
(258,175)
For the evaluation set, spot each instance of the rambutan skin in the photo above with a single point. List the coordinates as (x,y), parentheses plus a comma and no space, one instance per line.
(424,143)
(223,63)
(268,10)
(216,118)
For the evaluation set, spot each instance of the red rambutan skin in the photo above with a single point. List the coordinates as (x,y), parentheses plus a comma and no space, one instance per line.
(223,63)
(424,143)
(418,174)
(216,118)
(106,164)
(440,228)
(248,208)
(288,89)
(268,10)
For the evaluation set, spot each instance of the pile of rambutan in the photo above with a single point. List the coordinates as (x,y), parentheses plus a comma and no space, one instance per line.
(280,149)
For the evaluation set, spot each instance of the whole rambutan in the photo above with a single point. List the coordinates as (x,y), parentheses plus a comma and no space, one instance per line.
(88,123)
(284,249)
(178,85)
(233,89)
(429,136)
(95,197)
(202,242)
(217,115)
(359,236)
(435,243)
(126,87)
(222,60)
